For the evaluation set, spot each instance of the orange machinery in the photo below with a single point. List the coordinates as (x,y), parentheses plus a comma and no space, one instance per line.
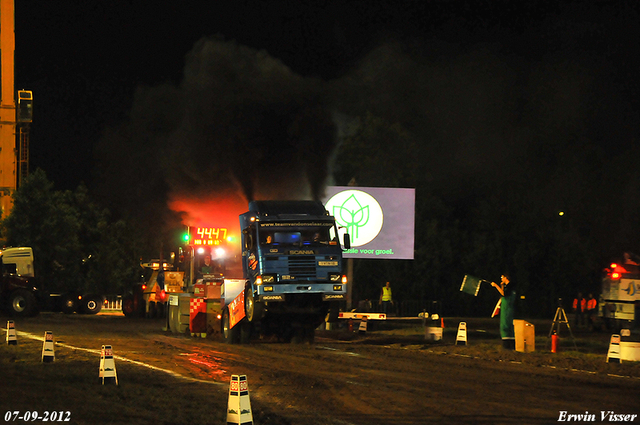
(7,107)
(12,124)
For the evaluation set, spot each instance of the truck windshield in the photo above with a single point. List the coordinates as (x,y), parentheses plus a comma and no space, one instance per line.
(298,237)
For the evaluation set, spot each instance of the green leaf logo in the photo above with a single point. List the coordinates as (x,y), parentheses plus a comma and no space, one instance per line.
(352,215)
(359,213)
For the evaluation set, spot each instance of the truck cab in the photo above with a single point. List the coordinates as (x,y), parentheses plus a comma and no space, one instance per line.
(620,297)
(18,292)
(292,265)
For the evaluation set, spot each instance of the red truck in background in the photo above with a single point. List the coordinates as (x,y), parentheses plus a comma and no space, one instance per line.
(18,290)
(21,294)
(620,296)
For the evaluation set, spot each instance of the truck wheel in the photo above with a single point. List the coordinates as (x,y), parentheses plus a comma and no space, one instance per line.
(132,308)
(245,332)
(334,312)
(253,310)
(285,333)
(298,336)
(22,303)
(162,310)
(128,307)
(229,334)
(69,304)
(310,335)
(152,310)
(91,304)
(303,334)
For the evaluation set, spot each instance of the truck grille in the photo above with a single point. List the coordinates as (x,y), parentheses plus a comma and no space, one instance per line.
(302,266)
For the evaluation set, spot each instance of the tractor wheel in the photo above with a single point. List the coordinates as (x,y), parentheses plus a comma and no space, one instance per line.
(229,335)
(91,304)
(254,310)
(22,303)
(128,306)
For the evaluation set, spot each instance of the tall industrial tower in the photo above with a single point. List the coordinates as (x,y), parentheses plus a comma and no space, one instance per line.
(7,107)
(14,157)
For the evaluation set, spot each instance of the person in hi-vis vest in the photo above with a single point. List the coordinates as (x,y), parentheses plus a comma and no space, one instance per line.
(386,299)
(592,305)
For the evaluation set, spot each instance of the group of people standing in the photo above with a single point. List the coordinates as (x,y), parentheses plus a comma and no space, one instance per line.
(507,290)
(584,310)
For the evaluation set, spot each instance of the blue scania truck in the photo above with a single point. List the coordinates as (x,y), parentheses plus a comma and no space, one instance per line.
(292,271)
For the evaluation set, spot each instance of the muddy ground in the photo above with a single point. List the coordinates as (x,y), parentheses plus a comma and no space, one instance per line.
(390,374)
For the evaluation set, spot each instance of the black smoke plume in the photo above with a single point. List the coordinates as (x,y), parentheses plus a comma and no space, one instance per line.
(239,122)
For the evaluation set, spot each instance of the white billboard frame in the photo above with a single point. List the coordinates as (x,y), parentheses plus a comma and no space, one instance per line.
(380,221)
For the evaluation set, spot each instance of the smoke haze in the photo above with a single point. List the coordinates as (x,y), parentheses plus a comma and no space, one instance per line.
(527,107)
(240,126)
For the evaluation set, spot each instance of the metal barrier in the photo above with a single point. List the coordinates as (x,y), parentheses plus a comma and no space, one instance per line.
(112,303)
(401,308)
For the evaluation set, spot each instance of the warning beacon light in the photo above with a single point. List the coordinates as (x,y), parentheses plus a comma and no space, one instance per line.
(615,271)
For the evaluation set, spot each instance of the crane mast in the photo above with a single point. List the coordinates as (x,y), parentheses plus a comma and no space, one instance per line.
(14,160)
(7,107)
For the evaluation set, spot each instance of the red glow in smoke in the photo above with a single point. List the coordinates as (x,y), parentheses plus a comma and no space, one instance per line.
(213,212)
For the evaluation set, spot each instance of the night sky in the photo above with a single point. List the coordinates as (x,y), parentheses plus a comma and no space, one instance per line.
(133,97)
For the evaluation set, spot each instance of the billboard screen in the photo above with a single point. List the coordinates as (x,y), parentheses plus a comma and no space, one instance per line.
(380,221)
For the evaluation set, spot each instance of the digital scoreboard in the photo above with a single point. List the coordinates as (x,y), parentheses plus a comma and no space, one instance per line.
(205,236)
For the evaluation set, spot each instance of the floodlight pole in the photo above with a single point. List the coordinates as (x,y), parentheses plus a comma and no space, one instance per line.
(350,281)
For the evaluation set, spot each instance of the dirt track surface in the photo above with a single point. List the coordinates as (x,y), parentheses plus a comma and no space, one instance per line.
(363,379)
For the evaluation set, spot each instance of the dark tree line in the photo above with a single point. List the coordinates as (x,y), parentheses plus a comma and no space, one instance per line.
(470,225)
(554,230)
(77,246)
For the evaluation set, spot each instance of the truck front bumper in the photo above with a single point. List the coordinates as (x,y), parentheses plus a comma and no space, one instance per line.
(328,291)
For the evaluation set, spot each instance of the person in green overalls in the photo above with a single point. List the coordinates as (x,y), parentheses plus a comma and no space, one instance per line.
(507,310)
